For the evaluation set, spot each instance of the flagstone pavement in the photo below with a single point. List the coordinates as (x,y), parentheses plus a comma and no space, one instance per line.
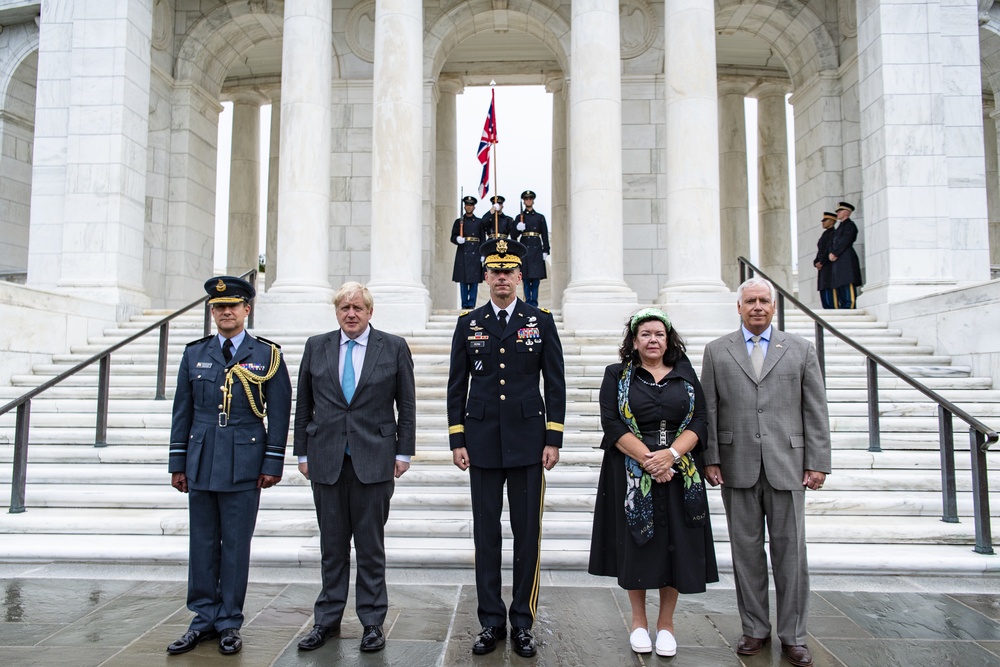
(83,615)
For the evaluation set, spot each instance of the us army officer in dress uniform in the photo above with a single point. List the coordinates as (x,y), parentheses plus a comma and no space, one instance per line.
(533,232)
(495,223)
(845,276)
(501,431)
(824,267)
(467,234)
(222,455)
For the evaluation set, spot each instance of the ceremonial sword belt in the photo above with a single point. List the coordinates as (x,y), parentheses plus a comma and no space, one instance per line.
(248,378)
(472,238)
(530,234)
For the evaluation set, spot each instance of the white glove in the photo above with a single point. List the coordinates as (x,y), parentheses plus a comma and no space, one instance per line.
(482,259)
(495,207)
(545,256)
(459,240)
(520,226)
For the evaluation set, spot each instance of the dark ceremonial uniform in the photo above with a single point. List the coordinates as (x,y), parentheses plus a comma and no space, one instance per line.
(823,246)
(468,263)
(504,223)
(218,439)
(535,238)
(496,412)
(845,273)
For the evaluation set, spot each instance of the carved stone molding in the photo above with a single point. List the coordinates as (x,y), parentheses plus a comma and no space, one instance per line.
(637,26)
(847,13)
(361,30)
(163,24)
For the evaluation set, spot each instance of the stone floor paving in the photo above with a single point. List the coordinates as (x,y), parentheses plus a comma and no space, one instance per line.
(80,615)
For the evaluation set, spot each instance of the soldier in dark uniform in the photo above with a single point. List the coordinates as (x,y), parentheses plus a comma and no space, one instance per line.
(501,431)
(467,234)
(822,261)
(845,274)
(495,223)
(222,455)
(533,232)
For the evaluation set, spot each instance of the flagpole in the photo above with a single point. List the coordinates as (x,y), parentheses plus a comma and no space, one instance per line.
(493,147)
(461,213)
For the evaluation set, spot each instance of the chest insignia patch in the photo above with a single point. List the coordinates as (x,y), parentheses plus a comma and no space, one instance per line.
(260,368)
(203,364)
(527,332)
(478,364)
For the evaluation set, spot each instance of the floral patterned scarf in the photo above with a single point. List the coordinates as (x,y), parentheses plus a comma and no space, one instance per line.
(639,483)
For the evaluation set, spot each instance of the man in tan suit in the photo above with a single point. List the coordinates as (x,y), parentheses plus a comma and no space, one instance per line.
(768,441)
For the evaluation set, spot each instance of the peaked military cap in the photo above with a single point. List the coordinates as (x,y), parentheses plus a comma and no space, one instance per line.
(844,204)
(828,214)
(502,254)
(528,194)
(497,198)
(469,200)
(229,289)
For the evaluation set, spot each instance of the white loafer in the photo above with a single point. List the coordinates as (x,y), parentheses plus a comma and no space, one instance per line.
(640,641)
(666,645)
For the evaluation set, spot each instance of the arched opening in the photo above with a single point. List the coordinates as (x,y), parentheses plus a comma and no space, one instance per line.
(17,130)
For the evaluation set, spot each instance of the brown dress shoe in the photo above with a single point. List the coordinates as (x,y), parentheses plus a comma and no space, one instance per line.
(751,645)
(797,655)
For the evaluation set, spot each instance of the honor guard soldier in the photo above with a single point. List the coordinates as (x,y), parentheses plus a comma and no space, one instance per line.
(222,455)
(502,431)
(845,275)
(467,234)
(496,224)
(533,232)
(824,267)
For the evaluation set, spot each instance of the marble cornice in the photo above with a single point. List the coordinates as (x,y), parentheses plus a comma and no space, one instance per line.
(161,73)
(752,72)
(193,89)
(826,83)
(233,85)
(16,119)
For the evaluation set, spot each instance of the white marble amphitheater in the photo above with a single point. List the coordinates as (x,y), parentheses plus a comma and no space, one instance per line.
(109,115)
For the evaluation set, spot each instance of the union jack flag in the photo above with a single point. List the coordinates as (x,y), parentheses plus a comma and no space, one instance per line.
(488,139)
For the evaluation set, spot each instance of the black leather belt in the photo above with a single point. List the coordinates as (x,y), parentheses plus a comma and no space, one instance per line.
(530,234)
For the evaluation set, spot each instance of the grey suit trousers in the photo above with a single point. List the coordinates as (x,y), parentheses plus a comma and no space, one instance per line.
(784,513)
(345,509)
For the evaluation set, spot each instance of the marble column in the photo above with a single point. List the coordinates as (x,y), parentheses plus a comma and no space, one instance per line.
(734,209)
(273,170)
(446,204)
(924,210)
(301,287)
(558,217)
(991,132)
(693,293)
(402,301)
(774,224)
(107,121)
(243,244)
(597,296)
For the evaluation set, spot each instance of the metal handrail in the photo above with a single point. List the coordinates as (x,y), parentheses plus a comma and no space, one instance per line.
(981,436)
(23,403)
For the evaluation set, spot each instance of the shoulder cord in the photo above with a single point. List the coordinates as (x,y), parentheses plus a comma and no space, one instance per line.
(248,378)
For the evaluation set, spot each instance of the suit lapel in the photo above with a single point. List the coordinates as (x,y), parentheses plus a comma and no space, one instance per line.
(242,352)
(375,345)
(215,351)
(490,321)
(518,319)
(333,359)
(775,349)
(738,348)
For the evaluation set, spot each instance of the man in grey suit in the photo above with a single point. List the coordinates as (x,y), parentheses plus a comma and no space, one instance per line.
(351,444)
(768,441)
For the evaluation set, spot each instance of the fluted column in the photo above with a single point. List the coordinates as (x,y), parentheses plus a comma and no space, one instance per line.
(301,289)
(774,224)
(402,301)
(597,296)
(273,170)
(733,201)
(243,244)
(991,132)
(558,218)
(446,204)
(692,239)
(304,171)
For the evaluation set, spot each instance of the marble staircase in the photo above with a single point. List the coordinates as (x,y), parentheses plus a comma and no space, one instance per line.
(112,504)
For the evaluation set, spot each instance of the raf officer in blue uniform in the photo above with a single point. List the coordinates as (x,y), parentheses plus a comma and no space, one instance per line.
(533,233)
(503,432)
(467,234)
(222,455)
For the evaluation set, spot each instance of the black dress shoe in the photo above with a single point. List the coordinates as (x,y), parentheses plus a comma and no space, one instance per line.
(230,641)
(190,640)
(373,639)
(488,637)
(751,645)
(797,655)
(317,637)
(523,642)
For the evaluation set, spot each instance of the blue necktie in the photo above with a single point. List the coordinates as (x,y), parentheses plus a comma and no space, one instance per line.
(348,382)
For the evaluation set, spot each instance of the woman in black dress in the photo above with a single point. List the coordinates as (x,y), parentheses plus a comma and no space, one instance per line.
(651,523)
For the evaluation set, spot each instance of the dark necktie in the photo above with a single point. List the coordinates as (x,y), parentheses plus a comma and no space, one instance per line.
(502,316)
(227,350)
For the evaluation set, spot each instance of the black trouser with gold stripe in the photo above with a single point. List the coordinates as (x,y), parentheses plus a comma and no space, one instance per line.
(525,498)
(844,297)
